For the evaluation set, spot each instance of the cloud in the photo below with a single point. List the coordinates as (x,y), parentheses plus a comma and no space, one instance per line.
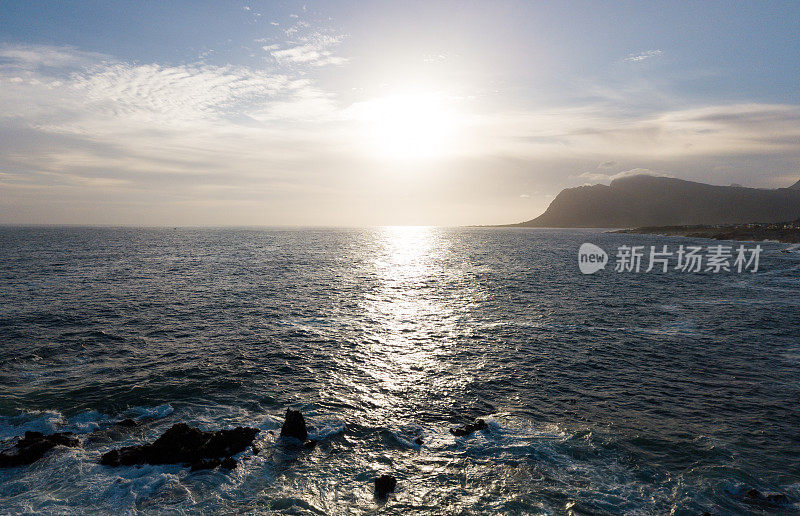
(155,128)
(312,51)
(635,58)
(173,94)
(597,177)
(435,58)
(34,57)
(170,141)
(595,131)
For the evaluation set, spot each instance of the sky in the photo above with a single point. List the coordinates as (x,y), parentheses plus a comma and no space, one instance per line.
(381,113)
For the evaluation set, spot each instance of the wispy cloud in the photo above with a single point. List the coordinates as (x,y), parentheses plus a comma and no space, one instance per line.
(34,57)
(435,58)
(108,123)
(635,58)
(596,130)
(315,50)
(599,177)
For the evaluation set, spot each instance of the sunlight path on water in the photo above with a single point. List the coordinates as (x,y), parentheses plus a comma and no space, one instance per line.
(402,353)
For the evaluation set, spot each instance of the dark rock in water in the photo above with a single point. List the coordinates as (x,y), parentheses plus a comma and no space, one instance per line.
(183,444)
(467,429)
(227,463)
(310,444)
(776,498)
(294,425)
(205,464)
(384,485)
(33,446)
(766,499)
(114,432)
(418,441)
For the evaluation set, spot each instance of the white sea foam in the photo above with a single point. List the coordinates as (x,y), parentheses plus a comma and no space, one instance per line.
(161,411)
(46,422)
(50,421)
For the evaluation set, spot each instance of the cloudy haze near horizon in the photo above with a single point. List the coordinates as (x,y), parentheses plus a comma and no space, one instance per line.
(344,113)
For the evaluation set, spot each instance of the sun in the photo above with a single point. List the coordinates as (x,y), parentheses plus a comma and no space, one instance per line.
(408,126)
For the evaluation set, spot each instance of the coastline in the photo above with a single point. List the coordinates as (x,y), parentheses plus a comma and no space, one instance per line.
(786,233)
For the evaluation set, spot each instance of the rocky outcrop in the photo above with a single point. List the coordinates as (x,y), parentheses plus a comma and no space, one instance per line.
(33,446)
(384,485)
(467,429)
(227,463)
(126,423)
(183,444)
(294,426)
(766,500)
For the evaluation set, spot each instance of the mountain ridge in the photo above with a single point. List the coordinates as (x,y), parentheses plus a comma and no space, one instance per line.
(644,200)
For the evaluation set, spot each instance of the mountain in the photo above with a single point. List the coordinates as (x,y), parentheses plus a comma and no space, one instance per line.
(644,200)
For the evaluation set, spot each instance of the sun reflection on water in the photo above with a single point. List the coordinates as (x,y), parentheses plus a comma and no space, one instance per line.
(416,300)
(407,308)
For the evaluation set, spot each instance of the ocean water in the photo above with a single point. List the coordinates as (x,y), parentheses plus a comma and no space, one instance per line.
(605,394)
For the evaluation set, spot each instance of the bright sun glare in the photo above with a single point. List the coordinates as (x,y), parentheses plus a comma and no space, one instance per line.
(411,126)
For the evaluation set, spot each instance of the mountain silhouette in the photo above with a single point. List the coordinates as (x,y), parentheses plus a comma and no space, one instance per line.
(644,200)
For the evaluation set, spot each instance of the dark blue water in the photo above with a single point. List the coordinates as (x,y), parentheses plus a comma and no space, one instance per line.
(611,393)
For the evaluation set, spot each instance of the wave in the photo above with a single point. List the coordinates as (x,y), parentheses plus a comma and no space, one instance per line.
(513,466)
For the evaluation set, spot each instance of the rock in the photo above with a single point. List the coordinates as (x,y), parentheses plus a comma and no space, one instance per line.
(126,423)
(205,464)
(183,444)
(310,444)
(418,441)
(294,425)
(384,485)
(765,499)
(467,429)
(777,498)
(116,431)
(33,446)
(227,463)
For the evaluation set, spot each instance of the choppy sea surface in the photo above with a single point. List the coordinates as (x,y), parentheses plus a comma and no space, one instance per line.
(605,394)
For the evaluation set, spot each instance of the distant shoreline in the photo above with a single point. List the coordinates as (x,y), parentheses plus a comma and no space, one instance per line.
(787,233)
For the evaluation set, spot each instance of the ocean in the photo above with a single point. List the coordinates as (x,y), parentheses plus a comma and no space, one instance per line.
(610,393)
